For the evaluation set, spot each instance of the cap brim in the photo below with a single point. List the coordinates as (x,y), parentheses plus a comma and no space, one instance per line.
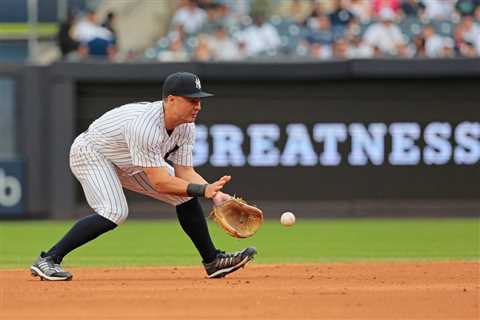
(200,94)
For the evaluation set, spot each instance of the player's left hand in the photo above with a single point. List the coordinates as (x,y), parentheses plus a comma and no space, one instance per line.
(220,198)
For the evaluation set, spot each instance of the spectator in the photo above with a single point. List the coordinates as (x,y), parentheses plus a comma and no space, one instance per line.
(97,41)
(361,9)
(467,7)
(458,36)
(439,10)
(354,28)
(434,43)
(470,28)
(412,8)
(190,16)
(242,49)
(101,47)
(86,29)
(320,51)
(465,36)
(340,16)
(296,10)
(175,52)
(477,44)
(385,35)
(109,24)
(448,50)
(259,37)
(213,18)
(238,9)
(467,49)
(218,12)
(379,5)
(226,16)
(340,49)
(318,9)
(462,47)
(419,46)
(222,46)
(177,33)
(320,30)
(65,40)
(359,49)
(202,50)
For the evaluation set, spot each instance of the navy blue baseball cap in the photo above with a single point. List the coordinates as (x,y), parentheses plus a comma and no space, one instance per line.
(184,84)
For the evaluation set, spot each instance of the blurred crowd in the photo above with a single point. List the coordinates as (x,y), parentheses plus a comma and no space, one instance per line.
(229,30)
(212,30)
(82,37)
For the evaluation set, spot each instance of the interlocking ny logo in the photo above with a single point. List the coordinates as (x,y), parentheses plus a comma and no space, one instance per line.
(197,84)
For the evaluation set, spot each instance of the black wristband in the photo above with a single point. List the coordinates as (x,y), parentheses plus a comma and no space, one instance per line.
(196,190)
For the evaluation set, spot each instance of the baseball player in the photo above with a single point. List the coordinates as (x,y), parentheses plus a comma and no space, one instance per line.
(129,147)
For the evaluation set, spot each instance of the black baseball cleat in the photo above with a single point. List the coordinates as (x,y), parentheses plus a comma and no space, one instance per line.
(45,268)
(226,263)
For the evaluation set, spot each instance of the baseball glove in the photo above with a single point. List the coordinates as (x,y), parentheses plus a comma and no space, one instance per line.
(237,217)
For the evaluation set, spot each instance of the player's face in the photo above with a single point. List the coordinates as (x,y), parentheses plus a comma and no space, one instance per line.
(188,108)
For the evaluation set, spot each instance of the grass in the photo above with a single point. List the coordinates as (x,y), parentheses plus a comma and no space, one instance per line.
(162,242)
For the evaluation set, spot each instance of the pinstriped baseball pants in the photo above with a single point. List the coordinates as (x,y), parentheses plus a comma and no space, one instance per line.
(102,182)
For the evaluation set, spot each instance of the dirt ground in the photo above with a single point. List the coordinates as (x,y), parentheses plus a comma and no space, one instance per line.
(399,290)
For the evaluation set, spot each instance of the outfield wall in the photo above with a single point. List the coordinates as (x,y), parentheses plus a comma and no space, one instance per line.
(350,138)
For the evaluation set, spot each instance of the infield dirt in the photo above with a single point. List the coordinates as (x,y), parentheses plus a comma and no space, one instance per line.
(397,290)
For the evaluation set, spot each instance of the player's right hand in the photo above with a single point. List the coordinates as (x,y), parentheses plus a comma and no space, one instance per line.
(216,186)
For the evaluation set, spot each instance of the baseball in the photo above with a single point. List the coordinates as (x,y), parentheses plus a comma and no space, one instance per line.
(287,219)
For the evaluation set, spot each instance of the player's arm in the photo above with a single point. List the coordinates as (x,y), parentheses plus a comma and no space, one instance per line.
(189,174)
(164,183)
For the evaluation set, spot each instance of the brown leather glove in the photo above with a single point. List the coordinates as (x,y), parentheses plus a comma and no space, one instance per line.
(237,217)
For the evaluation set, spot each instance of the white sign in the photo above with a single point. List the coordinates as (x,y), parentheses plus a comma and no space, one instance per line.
(10,190)
(437,144)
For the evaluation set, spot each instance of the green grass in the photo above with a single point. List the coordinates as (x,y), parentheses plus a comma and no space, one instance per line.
(162,242)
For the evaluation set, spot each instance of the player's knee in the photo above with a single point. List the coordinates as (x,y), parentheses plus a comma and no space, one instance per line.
(121,216)
(116,215)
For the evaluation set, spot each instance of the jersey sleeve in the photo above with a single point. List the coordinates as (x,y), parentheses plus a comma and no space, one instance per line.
(183,155)
(143,137)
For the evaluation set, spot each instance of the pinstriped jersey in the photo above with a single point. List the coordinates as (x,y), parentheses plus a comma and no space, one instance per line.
(133,136)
